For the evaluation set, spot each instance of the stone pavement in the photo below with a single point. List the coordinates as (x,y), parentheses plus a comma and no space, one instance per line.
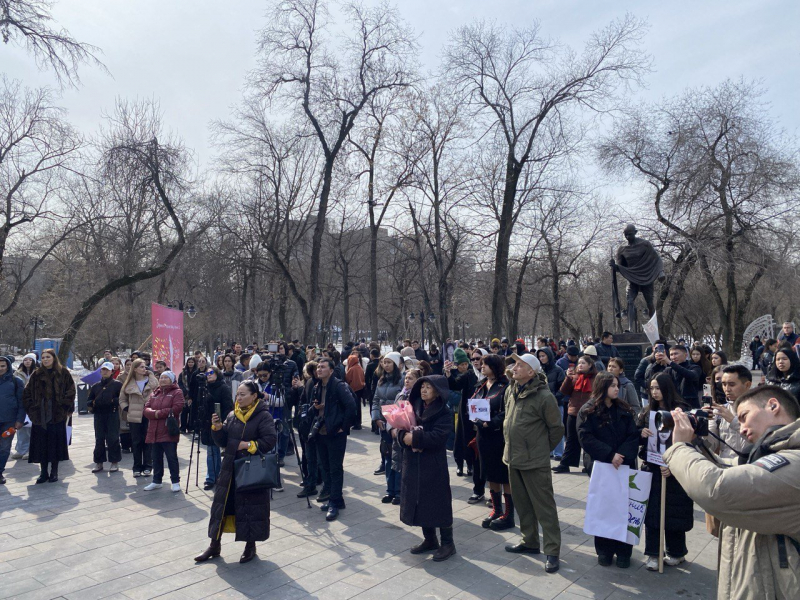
(101,536)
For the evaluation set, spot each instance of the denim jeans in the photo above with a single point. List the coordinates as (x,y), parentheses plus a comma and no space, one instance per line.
(392,482)
(559,451)
(23,440)
(213,463)
(331,449)
(5,445)
(171,450)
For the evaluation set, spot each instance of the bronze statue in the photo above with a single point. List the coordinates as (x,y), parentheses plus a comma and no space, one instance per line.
(641,265)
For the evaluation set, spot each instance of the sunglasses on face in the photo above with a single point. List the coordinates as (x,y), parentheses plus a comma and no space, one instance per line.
(209,372)
(476,360)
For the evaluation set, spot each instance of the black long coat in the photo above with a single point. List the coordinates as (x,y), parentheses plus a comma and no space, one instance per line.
(602,438)
(425,497)
(217,392)
(250,508)
(490,438)
(465,432)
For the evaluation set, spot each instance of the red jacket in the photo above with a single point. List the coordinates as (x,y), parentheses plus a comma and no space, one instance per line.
(157,409)
(579,390)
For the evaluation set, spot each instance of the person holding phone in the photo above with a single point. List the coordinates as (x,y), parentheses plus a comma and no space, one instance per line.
(218,395)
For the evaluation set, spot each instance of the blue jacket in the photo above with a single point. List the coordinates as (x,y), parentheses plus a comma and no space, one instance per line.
(11,408)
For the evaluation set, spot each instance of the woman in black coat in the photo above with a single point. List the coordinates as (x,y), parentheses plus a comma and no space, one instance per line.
(608,433)
(248,429)
(679,510)
(785,371)
(491,442)
(425,497)
(216,391)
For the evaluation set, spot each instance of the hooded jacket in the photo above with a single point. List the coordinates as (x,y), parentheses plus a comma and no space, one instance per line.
(11,387)
(533,426)
(355,374)
(132,401)
(555,374)
(758,505)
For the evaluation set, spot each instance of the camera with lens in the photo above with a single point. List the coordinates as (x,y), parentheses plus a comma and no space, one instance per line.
(697,417)
(315,427)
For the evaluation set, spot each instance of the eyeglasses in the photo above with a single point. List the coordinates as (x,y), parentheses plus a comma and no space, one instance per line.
(476,360)
(210,372)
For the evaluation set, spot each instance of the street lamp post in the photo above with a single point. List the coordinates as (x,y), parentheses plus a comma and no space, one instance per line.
(464,327)
(431,317)
(37,323)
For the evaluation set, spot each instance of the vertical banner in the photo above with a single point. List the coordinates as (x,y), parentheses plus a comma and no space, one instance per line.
(167,336)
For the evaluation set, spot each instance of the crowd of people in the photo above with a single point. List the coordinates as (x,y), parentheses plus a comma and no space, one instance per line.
(546,410)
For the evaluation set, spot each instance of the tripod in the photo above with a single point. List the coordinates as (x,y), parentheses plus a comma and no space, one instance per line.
(280,398)
(196,420)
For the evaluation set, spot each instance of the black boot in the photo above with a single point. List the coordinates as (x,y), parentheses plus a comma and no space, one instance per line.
(507,520)
(249,552)
(213,550)
(429,544)
(497,509)
(53,472)
(43,476)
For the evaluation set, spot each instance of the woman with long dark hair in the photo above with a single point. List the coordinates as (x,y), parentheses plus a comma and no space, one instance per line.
(491,442)
(719,358)
(785,371)
(49,400)
(679,506)
(578,387)
(247,430)
(608,433)
(24,372)
(698,356)
(230,375)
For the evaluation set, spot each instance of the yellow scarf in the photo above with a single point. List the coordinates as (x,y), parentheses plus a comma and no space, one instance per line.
(244,414)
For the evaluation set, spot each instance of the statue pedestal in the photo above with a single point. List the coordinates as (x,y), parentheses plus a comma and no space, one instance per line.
(631,347)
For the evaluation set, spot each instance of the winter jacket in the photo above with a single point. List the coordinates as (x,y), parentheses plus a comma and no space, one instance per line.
(758,505)
(533,426)
(425,496)
(555,374)
(385,393)
(606,351)
(640,378)
(436,362)
(340,406)
(615,433)
(233,379)
(688,378)
(355,374)
(791,383)
(49,393)
(627,392)
(579,390)
(564,363)
(11,388)
(251,509)
(104,396)
(730,434)
(158,407)
(132,401)
(217,392)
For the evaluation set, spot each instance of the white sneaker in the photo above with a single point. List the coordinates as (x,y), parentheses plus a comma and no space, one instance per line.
(152,486)
(176,487)
(652,563)
(114,467)
(673,561)
(17,455)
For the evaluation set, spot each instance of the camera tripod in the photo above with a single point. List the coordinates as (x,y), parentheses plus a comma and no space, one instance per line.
(280,395)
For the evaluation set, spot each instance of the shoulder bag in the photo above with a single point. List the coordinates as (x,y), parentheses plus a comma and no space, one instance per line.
(256,472)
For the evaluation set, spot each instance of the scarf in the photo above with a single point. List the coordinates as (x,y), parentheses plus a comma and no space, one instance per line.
(244,414)
(583,383)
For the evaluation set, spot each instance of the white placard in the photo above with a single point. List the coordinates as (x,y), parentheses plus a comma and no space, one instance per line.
(607,502)
(638,494)
(656,443)
(479,409)
(651,328)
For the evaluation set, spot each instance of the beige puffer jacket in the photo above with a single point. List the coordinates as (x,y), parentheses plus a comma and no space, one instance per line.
(756,504)
(131,398)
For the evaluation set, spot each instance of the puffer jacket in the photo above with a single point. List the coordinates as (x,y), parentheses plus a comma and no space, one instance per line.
(555,374)
(11,386)
(758,505)
(385,394)
(533,426)
(157,409)
(132,401)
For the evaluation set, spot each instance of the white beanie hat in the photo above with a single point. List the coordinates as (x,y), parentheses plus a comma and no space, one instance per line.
(32,356)
(395,357)
(169,374)
(255,361)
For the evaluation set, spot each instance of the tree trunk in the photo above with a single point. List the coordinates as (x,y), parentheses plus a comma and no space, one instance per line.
(316,250)
(505,229)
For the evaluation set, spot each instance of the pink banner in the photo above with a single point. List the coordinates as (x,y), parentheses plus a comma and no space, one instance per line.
(167,336)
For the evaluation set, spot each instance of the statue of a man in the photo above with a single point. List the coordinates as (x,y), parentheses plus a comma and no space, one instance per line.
(641,265)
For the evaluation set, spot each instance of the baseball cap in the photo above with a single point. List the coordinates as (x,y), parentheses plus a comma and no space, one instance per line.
(528,359)
(107,365)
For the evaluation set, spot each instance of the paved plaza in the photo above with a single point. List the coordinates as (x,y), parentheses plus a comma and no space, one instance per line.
(101,536)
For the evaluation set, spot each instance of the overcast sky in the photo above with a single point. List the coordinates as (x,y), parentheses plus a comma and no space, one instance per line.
(193,55)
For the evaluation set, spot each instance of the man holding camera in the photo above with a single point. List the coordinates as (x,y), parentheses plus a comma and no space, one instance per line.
(757,502)
(686,374)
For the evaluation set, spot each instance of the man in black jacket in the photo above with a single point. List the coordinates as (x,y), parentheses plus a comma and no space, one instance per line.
(104,403)
(336,413)
(687,375)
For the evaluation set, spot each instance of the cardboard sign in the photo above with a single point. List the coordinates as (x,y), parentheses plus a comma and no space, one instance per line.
(617,502)
(639,483)
(478,409)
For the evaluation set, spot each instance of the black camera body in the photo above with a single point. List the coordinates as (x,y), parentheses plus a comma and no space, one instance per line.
(697,417)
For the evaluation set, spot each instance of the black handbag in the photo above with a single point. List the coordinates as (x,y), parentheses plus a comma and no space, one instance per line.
(172,425)
(256,472)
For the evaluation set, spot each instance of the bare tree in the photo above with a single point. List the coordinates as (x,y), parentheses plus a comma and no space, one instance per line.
(142,176)
(28,23)
(329,86)
(525,86)
(38,151)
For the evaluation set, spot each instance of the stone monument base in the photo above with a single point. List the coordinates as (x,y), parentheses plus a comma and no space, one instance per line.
(631,348)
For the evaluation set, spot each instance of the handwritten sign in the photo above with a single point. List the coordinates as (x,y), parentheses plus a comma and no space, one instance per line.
(478,409)
(638,494)
(617,502)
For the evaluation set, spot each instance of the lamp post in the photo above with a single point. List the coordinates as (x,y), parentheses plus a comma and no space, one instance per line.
(431,317)
(37,323)
(464,327)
